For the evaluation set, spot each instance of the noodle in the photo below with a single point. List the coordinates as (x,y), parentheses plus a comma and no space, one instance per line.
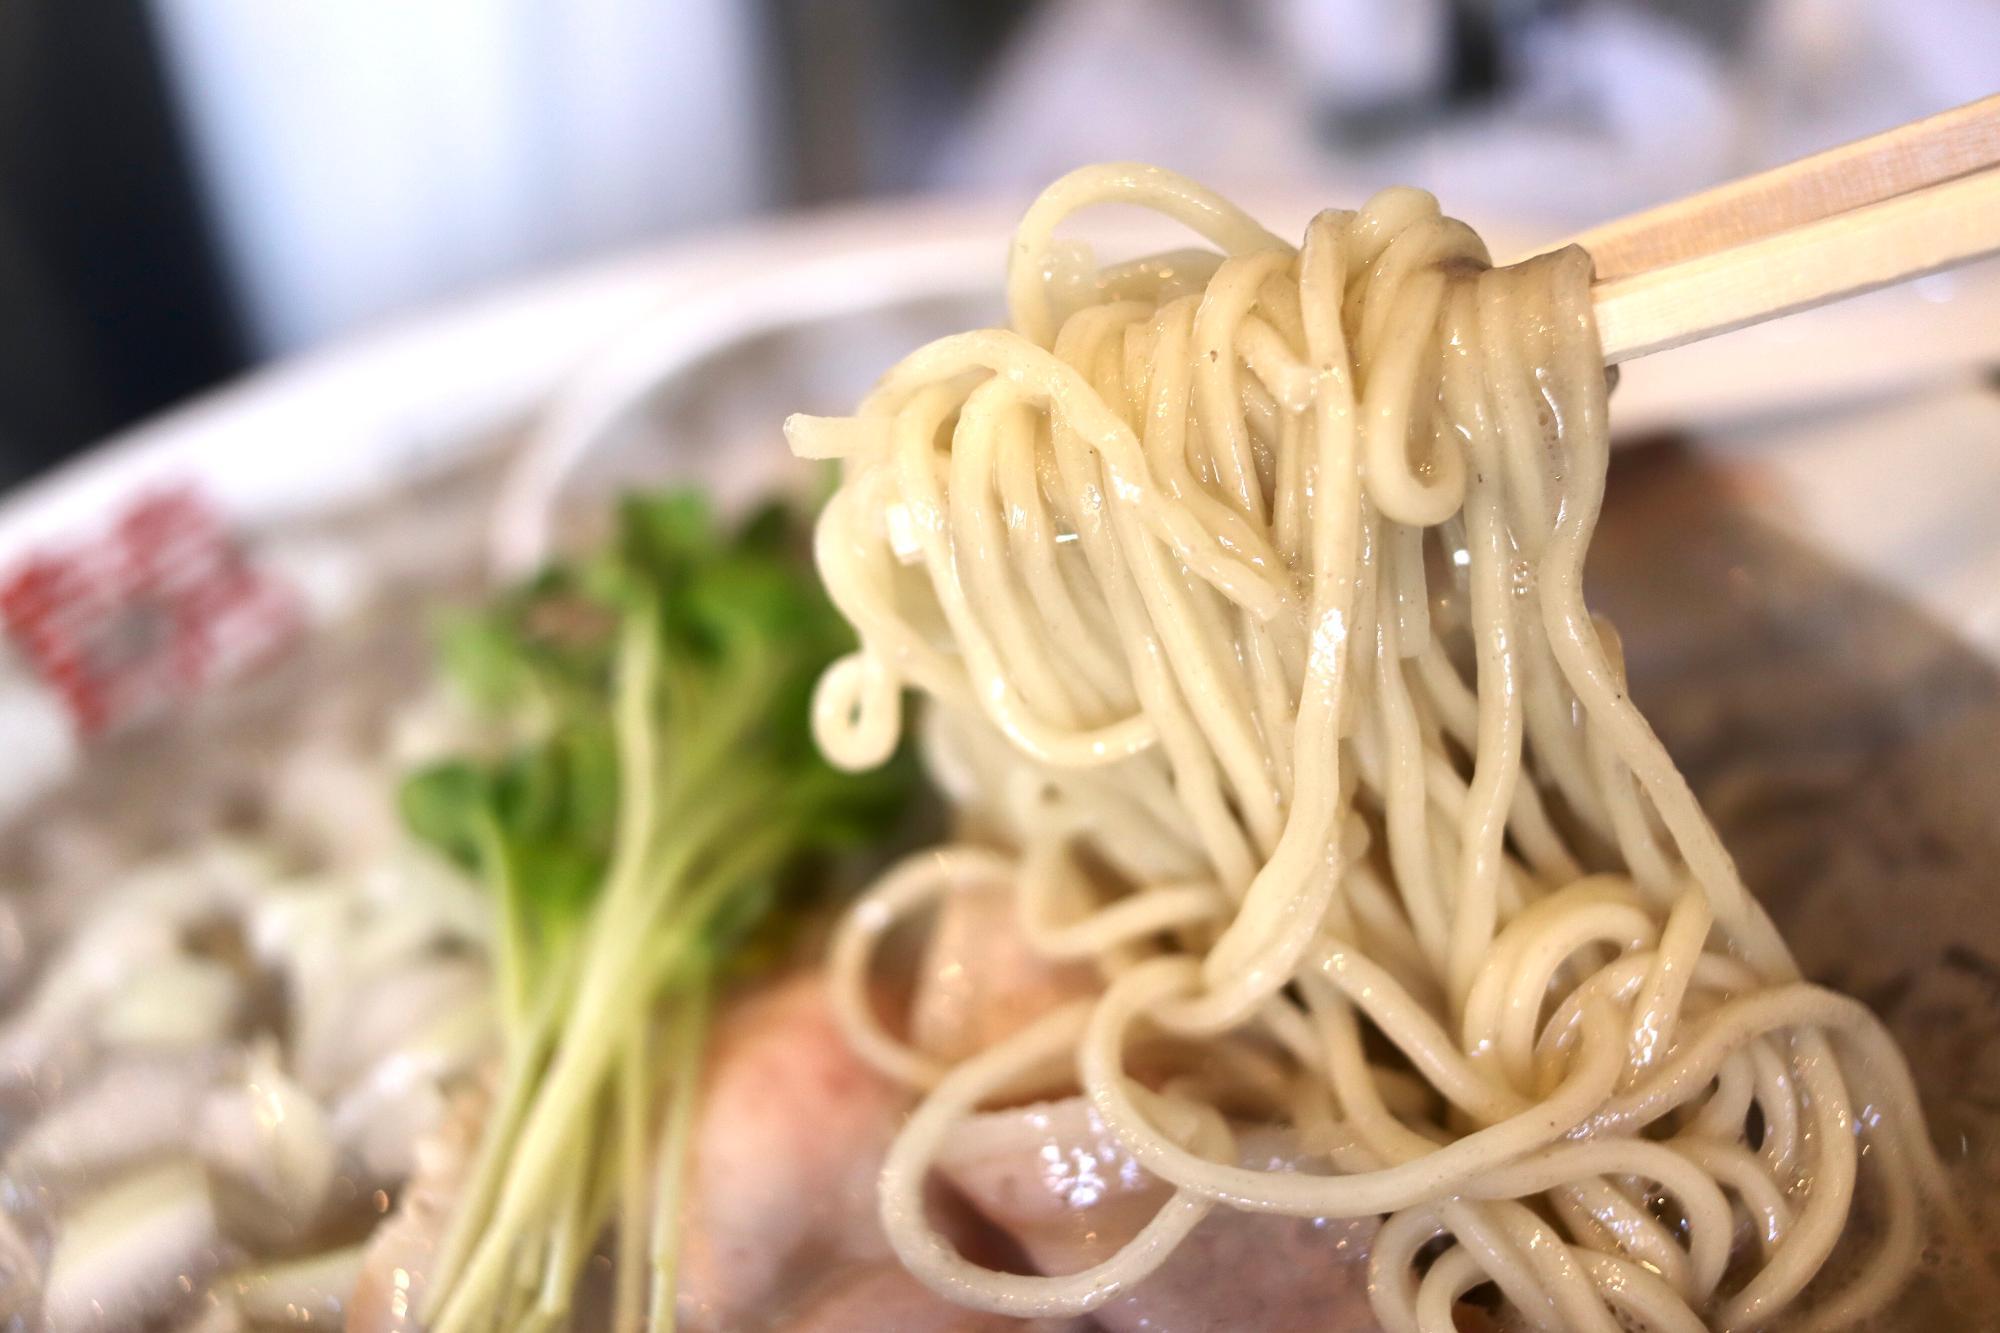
(1247,592)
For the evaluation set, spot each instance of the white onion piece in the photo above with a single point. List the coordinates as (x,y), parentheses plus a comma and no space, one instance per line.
(219,879)
(422,891)
(262,1132)
(59,1011)
(133,1110)
(337,806)
(312,1291)
(342,1035)
(174,1002)
(381,1117)
(20,1273)
(138,922)
(122,1254)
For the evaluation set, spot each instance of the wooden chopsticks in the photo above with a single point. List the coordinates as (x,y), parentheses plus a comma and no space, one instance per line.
(1914,200)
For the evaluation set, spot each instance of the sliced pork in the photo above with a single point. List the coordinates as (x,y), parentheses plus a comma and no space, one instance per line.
(1054,1178)
(781,1177)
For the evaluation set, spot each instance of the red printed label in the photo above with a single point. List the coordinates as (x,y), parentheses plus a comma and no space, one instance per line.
(163,606)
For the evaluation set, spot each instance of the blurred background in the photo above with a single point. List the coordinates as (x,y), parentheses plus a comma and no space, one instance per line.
(191,187)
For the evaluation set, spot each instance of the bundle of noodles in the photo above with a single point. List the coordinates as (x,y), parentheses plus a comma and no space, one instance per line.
(1246,589)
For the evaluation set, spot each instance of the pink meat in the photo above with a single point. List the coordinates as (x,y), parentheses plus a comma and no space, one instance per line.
(1055,1179)
(792,1133)
(979,981)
